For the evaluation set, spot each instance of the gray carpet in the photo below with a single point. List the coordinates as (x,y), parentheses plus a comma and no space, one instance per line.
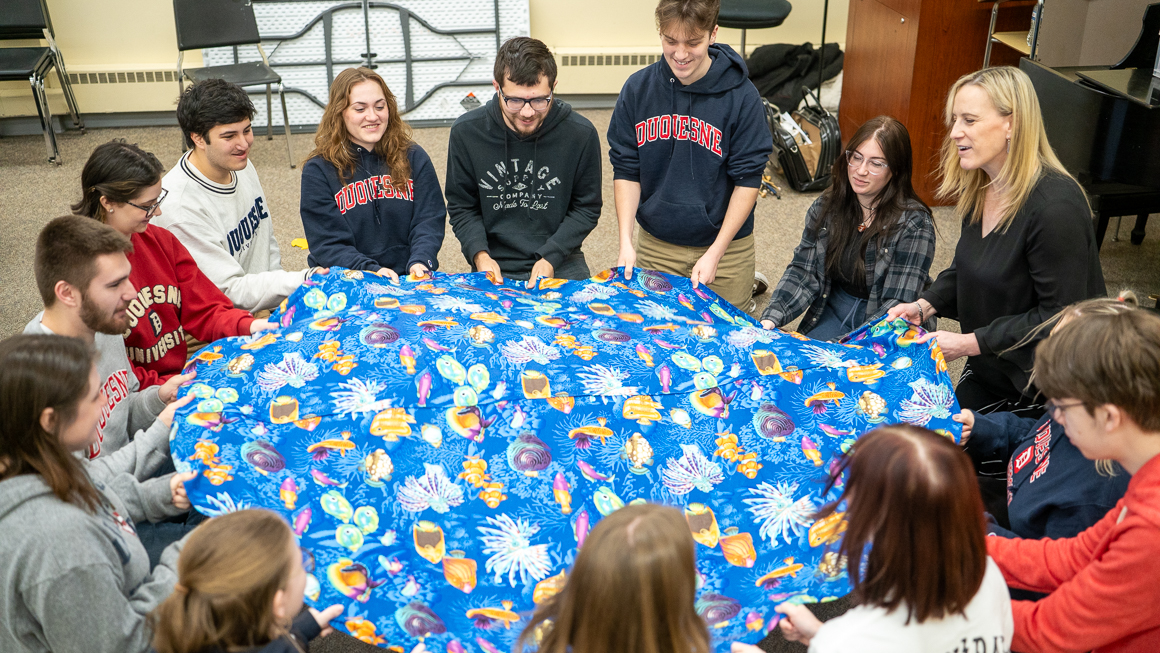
(32,192)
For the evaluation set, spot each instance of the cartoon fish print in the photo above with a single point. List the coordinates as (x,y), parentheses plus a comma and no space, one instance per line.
(288,492)
(811,451)
(561,493)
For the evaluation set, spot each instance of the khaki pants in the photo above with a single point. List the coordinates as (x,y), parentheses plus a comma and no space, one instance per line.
(734,280)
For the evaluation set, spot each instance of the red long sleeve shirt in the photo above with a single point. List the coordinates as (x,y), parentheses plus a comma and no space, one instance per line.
(1104,583)
(173,296)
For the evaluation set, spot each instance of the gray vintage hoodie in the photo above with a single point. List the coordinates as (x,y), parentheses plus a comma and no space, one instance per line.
(129,409)
(71,580)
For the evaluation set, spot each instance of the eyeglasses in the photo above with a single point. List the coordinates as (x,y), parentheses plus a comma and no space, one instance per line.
(874,166)
(516,104)
(151,210)
(1056,410)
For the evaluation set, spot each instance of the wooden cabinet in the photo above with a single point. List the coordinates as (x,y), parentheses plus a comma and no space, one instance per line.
(902,57)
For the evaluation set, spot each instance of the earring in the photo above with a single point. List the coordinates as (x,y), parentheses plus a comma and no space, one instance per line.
(1008,144)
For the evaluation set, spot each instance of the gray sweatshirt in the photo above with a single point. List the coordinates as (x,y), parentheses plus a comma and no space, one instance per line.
(71,580)
(128,409)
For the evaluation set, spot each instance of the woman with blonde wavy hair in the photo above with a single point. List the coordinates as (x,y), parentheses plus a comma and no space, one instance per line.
(370,197)
(1027,247)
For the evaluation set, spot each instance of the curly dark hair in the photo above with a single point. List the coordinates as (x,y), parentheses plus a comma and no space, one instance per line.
(210,103)
(523,60)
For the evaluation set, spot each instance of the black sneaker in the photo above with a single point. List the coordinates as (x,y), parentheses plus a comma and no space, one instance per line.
(760,284)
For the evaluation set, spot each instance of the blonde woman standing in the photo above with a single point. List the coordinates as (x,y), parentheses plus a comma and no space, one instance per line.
(1027,247)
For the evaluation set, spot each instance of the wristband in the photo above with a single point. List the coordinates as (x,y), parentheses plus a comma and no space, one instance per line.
(921,315)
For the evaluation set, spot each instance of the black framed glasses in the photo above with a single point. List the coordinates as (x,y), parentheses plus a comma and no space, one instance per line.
(875,166)
(516,104)
(1056,410)
(151,210)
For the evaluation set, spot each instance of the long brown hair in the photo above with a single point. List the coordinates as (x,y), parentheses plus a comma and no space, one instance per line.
(631,590)
(118,170)
(841,208)
(332,142)
(227,576)
(39,372)
(912,493)
(1028,153)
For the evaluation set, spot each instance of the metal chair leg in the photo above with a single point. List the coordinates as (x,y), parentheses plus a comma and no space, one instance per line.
(42,109)
(1116,233)
(70,99)
(269,115)
(286,125)
(180,90)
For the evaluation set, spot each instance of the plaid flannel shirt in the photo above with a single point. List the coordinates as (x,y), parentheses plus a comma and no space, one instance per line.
(900,268)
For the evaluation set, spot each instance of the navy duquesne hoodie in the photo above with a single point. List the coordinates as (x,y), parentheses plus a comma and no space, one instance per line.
(690,146)
(523,198)
(1052,490)
(364,223)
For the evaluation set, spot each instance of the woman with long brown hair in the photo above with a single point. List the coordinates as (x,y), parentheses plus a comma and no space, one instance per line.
(75,576)
(915,552)
(868,241)
(370,197)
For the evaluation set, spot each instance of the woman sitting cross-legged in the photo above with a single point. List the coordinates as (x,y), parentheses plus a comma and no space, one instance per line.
(868,241)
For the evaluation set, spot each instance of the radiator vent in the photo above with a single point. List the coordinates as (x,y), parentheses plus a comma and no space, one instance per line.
(609,59)
(122,77)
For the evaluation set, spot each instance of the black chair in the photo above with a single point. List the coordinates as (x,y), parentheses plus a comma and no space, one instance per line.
(220,23)
(752,14)
(28,19)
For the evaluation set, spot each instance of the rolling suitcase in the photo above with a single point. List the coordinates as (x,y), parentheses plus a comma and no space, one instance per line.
(805,144)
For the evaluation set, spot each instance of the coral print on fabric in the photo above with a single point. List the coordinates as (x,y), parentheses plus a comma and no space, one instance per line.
(519,185)
(442,448)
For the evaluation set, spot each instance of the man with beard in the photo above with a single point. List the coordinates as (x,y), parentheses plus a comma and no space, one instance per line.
(83,277)
(523,173)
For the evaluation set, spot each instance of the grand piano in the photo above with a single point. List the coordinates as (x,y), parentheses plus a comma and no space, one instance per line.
(1104,124)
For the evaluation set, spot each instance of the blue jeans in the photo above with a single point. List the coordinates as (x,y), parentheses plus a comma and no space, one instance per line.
(843,313)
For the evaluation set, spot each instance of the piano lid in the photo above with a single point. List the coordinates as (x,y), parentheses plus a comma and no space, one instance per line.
(1134,84)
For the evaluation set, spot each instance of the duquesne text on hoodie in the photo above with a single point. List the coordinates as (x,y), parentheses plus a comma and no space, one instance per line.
(681,128)
(371,189)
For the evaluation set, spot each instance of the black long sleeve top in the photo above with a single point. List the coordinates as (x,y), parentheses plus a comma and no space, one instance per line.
(1002,285)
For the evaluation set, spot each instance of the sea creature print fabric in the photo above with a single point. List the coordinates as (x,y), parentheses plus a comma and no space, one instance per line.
(442,447)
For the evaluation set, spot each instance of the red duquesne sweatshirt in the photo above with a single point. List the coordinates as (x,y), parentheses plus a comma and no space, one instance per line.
(173,296)
(1104,583)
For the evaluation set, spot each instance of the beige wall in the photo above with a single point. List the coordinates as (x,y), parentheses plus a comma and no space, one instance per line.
(101,36)
(615,27)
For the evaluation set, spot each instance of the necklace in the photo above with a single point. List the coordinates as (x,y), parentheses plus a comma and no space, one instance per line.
(868,219)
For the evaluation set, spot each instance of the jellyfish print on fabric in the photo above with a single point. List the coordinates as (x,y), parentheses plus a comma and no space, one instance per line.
(777,513)
(514,554)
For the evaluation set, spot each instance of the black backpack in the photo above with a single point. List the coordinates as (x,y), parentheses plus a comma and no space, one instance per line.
(805,144)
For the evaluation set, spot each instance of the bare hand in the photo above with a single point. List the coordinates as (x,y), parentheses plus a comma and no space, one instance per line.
(262,325)
(314,271)
(705,271)
(768,325)
(967,419)
(626,259)
(485,263)
(542,268)
(799,624)
(325,617)
(419,271)
(166,415)
(908,311)
(953,345)
(389,274)
(177,489)
(167,392)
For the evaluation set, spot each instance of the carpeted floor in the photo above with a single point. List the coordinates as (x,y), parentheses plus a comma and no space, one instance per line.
(32,192)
